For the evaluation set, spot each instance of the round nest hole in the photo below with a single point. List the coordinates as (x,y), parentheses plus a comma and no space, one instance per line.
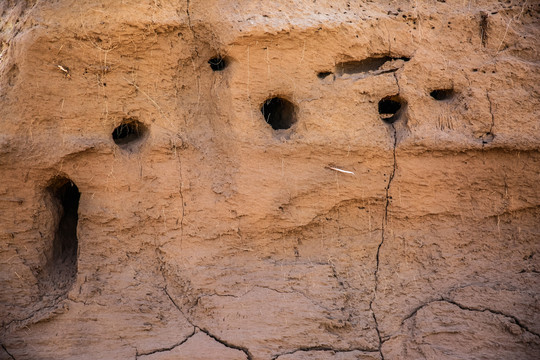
(128,132)
(390,108)
(442,94)
(218,63)
(279,113)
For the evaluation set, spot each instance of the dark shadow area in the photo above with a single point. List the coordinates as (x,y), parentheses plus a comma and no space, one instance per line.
(390,108)
(324,74)
(366,65)
(61,268)
(218,63)
(128,132)
(442,94)
(279,113)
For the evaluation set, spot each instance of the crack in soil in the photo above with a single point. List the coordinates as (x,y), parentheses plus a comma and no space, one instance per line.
(188,15)
(207,332)
(227,344)
(491,112)
(466,308)
(384,222)
(292,291)
(7,352)
(489,136)
(137,355)
(182,200)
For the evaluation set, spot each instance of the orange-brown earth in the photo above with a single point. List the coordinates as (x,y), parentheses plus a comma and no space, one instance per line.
(384,204)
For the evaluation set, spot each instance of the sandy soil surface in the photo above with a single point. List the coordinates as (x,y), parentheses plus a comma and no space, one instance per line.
(216,179)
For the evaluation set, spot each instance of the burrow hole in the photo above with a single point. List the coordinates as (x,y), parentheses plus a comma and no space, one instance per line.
(390,108)
(279,113)
(324,74)
(442,94)
(62,267)
(218,63)
(129,131)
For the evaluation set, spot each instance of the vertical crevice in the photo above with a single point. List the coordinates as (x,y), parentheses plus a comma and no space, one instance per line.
(383,234)
(61,267)
(188,15)
(181,193)
(489,136)
(491,112)
(484,27)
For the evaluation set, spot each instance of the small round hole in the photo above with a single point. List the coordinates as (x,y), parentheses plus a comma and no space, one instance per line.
(390,108)
(442,94)
(218,63)
(128,132)
(279,113)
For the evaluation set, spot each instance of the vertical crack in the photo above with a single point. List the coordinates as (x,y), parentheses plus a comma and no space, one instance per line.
(182,200)
(387,189)
(491,112)
(489,136)
(397,83)
(188,15)
(383,228)
(484,27)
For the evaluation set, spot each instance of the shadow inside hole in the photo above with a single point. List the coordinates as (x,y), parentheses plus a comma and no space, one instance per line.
(218,63)
(390,108)
(442,94)
(370,65)
(324,74)
(61,268)
(129,131)
(279,113)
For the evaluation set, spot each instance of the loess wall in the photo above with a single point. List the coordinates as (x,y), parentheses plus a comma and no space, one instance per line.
(148,211)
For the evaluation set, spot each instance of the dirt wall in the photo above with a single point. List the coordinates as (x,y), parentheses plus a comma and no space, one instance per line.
(269,180)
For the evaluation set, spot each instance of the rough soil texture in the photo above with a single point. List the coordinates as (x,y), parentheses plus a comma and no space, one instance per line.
(363,231)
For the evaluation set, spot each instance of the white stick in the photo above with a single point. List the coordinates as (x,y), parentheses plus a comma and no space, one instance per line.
(340,170)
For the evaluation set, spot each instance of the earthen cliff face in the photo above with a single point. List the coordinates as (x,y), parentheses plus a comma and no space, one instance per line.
(269,180)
